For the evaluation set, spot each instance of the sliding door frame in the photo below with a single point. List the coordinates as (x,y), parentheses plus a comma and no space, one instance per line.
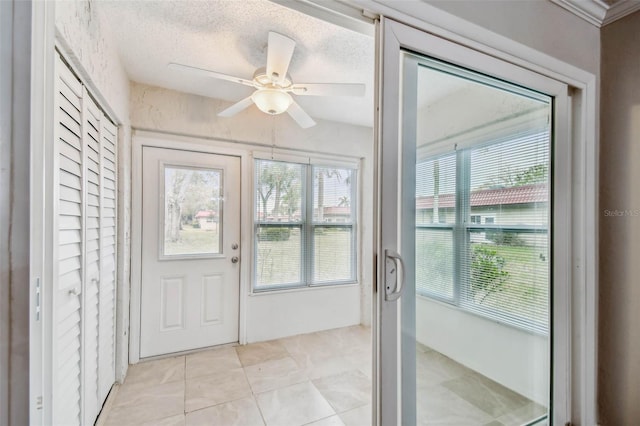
(577,262)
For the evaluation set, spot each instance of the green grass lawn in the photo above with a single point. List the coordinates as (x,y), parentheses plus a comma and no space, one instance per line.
(193,241)
(526,289)
(279,262)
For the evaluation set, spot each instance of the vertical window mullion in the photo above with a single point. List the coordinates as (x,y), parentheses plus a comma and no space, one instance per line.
(463,200)
(308,242)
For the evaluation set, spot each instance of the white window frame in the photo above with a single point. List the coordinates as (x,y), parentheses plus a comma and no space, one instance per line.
(460,233)
(307,224)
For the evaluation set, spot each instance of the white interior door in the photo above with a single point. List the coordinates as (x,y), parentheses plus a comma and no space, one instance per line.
(474,231)
(190,250)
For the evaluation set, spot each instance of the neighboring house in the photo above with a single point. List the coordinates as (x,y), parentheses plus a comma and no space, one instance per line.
(336,214)
(207,219)
(495,206)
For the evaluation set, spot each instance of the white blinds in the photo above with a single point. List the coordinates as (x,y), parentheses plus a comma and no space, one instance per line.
(305,224)
(482,229)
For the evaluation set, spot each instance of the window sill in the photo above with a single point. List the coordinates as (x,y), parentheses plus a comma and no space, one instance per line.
(464,310)
(274,291)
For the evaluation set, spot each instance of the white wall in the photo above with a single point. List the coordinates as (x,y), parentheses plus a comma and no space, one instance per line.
(517,359)
(274,315)
(538,24)
(15,86)
(87,43)
(619,354)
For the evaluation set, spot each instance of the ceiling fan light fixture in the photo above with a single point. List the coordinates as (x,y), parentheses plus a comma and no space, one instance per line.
(271,101)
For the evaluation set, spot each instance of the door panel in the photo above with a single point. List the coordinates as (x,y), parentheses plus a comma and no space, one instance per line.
(190,269)
(467,215)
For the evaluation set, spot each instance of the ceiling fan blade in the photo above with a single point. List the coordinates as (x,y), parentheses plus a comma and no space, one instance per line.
(279,53)
(301,117)
(209,73)
(236,108)
(328,89)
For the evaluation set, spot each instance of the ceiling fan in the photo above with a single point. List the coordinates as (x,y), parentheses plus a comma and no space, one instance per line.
(274,86)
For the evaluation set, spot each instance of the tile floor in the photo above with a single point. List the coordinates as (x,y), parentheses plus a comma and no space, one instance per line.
(317,379)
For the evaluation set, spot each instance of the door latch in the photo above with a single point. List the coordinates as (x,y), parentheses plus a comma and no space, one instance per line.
(393,285)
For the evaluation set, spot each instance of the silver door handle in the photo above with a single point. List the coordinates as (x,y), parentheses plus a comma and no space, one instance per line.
(392,285)
(235,259)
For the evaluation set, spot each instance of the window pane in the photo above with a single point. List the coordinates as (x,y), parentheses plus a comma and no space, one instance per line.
(436,190)
(434,262)
(279,191)
(510,181)
(278,250)
(332,201)
(333,255)
(508,276)
(192,211)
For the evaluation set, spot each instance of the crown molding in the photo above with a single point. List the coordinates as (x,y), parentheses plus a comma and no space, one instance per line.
(598,12)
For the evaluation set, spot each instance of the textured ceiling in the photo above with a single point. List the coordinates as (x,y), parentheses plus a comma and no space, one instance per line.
(230,36)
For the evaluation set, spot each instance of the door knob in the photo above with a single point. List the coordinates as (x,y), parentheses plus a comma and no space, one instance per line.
(235,259)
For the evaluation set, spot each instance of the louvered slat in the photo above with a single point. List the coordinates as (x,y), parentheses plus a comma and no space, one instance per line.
(67,317)
(108,277)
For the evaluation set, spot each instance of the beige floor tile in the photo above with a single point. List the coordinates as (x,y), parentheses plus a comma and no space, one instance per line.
(312,347)
(360,416)
(293,405)
(324,367)
(524,414)
(241,412)
(138,403)
(168,421)
(433,368)
(156,372)
(329,421)
(274,374)
(437,405)
(487,395)
(216,389)
(345,391)
(211,362)
(256,353)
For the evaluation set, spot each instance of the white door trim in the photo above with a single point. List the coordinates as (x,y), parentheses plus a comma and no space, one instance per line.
(584,176)
(140,139)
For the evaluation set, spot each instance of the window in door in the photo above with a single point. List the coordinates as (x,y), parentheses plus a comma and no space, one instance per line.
(305,225)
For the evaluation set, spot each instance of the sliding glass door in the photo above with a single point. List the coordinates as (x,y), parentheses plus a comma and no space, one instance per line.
(472,226)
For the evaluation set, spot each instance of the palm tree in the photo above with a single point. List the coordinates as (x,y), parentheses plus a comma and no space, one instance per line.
(323,173)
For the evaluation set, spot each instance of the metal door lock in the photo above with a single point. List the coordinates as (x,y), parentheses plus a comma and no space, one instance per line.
(235,259)
(234,246)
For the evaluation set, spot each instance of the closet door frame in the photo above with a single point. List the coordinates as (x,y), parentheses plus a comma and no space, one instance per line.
(44,221)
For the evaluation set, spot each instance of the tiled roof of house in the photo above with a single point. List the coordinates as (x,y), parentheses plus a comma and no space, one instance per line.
(337,210)
(206,213)
(490,197)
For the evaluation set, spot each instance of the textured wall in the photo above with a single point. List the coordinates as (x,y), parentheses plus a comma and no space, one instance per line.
(15,49)
(619,355)
(89,45)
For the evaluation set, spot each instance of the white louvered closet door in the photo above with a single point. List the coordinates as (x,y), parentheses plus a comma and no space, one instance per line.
(83,353)
(92,118)
(107,344)
(68,241)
